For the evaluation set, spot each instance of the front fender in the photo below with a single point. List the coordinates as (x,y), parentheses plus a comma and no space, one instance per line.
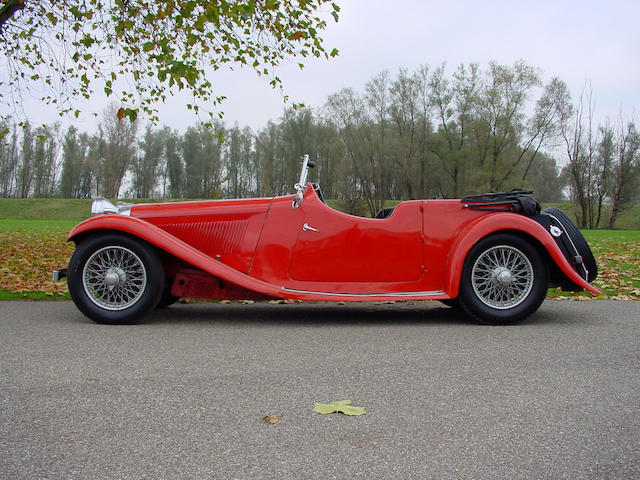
(497,222)
(167,242)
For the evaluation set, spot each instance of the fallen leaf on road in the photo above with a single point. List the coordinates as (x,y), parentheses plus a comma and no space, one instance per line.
(271,419)
(342,406)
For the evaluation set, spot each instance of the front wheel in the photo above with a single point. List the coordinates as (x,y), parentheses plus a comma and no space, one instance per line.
(115,279)
(504,280)
(167,299)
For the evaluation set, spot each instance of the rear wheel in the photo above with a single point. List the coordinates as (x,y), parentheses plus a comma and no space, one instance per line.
(115,279)
(504,280)
(451,302)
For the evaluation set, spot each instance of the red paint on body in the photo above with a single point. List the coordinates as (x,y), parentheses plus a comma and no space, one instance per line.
(266,248)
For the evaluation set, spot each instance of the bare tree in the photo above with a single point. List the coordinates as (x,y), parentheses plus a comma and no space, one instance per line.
(9,159)
(77,179)
(501,122)
(25,169)
(604,165)
(268,146)
(145,166)
(203,159)
(580,142)
(240,178)
(453,104)
(45,160)
(362,122)
(626,169)
(409,130)
(115,151)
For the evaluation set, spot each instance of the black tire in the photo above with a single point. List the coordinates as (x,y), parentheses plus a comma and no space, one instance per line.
(504,280)
(451,302)
(167,299)
(114,278)
(579,241)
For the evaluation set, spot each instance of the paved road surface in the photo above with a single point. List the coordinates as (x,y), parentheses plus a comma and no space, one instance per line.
(182,395)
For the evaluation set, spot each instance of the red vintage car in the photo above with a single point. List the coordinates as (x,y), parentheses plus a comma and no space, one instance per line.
(492,255)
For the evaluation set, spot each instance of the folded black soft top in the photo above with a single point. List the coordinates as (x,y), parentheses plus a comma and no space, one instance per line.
(516,201)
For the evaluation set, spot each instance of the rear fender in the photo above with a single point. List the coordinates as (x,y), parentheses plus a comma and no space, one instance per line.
(176,247)
(494,223)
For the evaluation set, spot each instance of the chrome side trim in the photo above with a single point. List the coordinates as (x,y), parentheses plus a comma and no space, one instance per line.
(365,295)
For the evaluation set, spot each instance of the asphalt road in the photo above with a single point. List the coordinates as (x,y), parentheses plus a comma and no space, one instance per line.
(182,395)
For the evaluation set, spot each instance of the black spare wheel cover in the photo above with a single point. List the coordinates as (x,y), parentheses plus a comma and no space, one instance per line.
(576,242)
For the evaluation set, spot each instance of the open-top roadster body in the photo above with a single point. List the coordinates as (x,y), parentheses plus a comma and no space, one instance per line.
(492,255)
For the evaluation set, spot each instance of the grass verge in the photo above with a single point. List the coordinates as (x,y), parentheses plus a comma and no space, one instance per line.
(29,252)
(617,254)
(31,249)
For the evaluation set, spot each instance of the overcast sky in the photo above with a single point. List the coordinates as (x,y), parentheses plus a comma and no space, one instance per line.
(578,41)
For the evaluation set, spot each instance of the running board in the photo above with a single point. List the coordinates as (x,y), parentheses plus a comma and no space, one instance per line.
(365,295)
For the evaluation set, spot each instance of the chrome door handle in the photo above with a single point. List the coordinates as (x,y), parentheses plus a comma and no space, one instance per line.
(306,227)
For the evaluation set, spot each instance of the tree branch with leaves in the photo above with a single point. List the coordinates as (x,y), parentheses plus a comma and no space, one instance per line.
(142,51)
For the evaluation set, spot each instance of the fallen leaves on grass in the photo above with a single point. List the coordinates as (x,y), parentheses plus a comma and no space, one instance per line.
(618,267)
(341,406)
(27,259)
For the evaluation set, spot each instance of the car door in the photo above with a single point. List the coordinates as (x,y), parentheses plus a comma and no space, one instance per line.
(335,247)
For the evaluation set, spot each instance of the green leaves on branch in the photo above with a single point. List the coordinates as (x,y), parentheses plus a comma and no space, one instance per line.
(72,47)
(131,114)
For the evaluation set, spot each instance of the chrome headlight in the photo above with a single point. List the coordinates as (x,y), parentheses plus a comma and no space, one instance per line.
(101,205)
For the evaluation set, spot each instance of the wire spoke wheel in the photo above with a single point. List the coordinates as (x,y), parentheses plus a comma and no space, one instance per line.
(504,280)
(502,277)
(114,278)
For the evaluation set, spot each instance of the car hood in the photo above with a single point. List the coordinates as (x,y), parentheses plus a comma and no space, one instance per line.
(200,210)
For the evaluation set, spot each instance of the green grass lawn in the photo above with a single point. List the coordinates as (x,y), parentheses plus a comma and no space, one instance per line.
(65,226)
(79,209)
(31,248)
(44,208)
(617,253)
